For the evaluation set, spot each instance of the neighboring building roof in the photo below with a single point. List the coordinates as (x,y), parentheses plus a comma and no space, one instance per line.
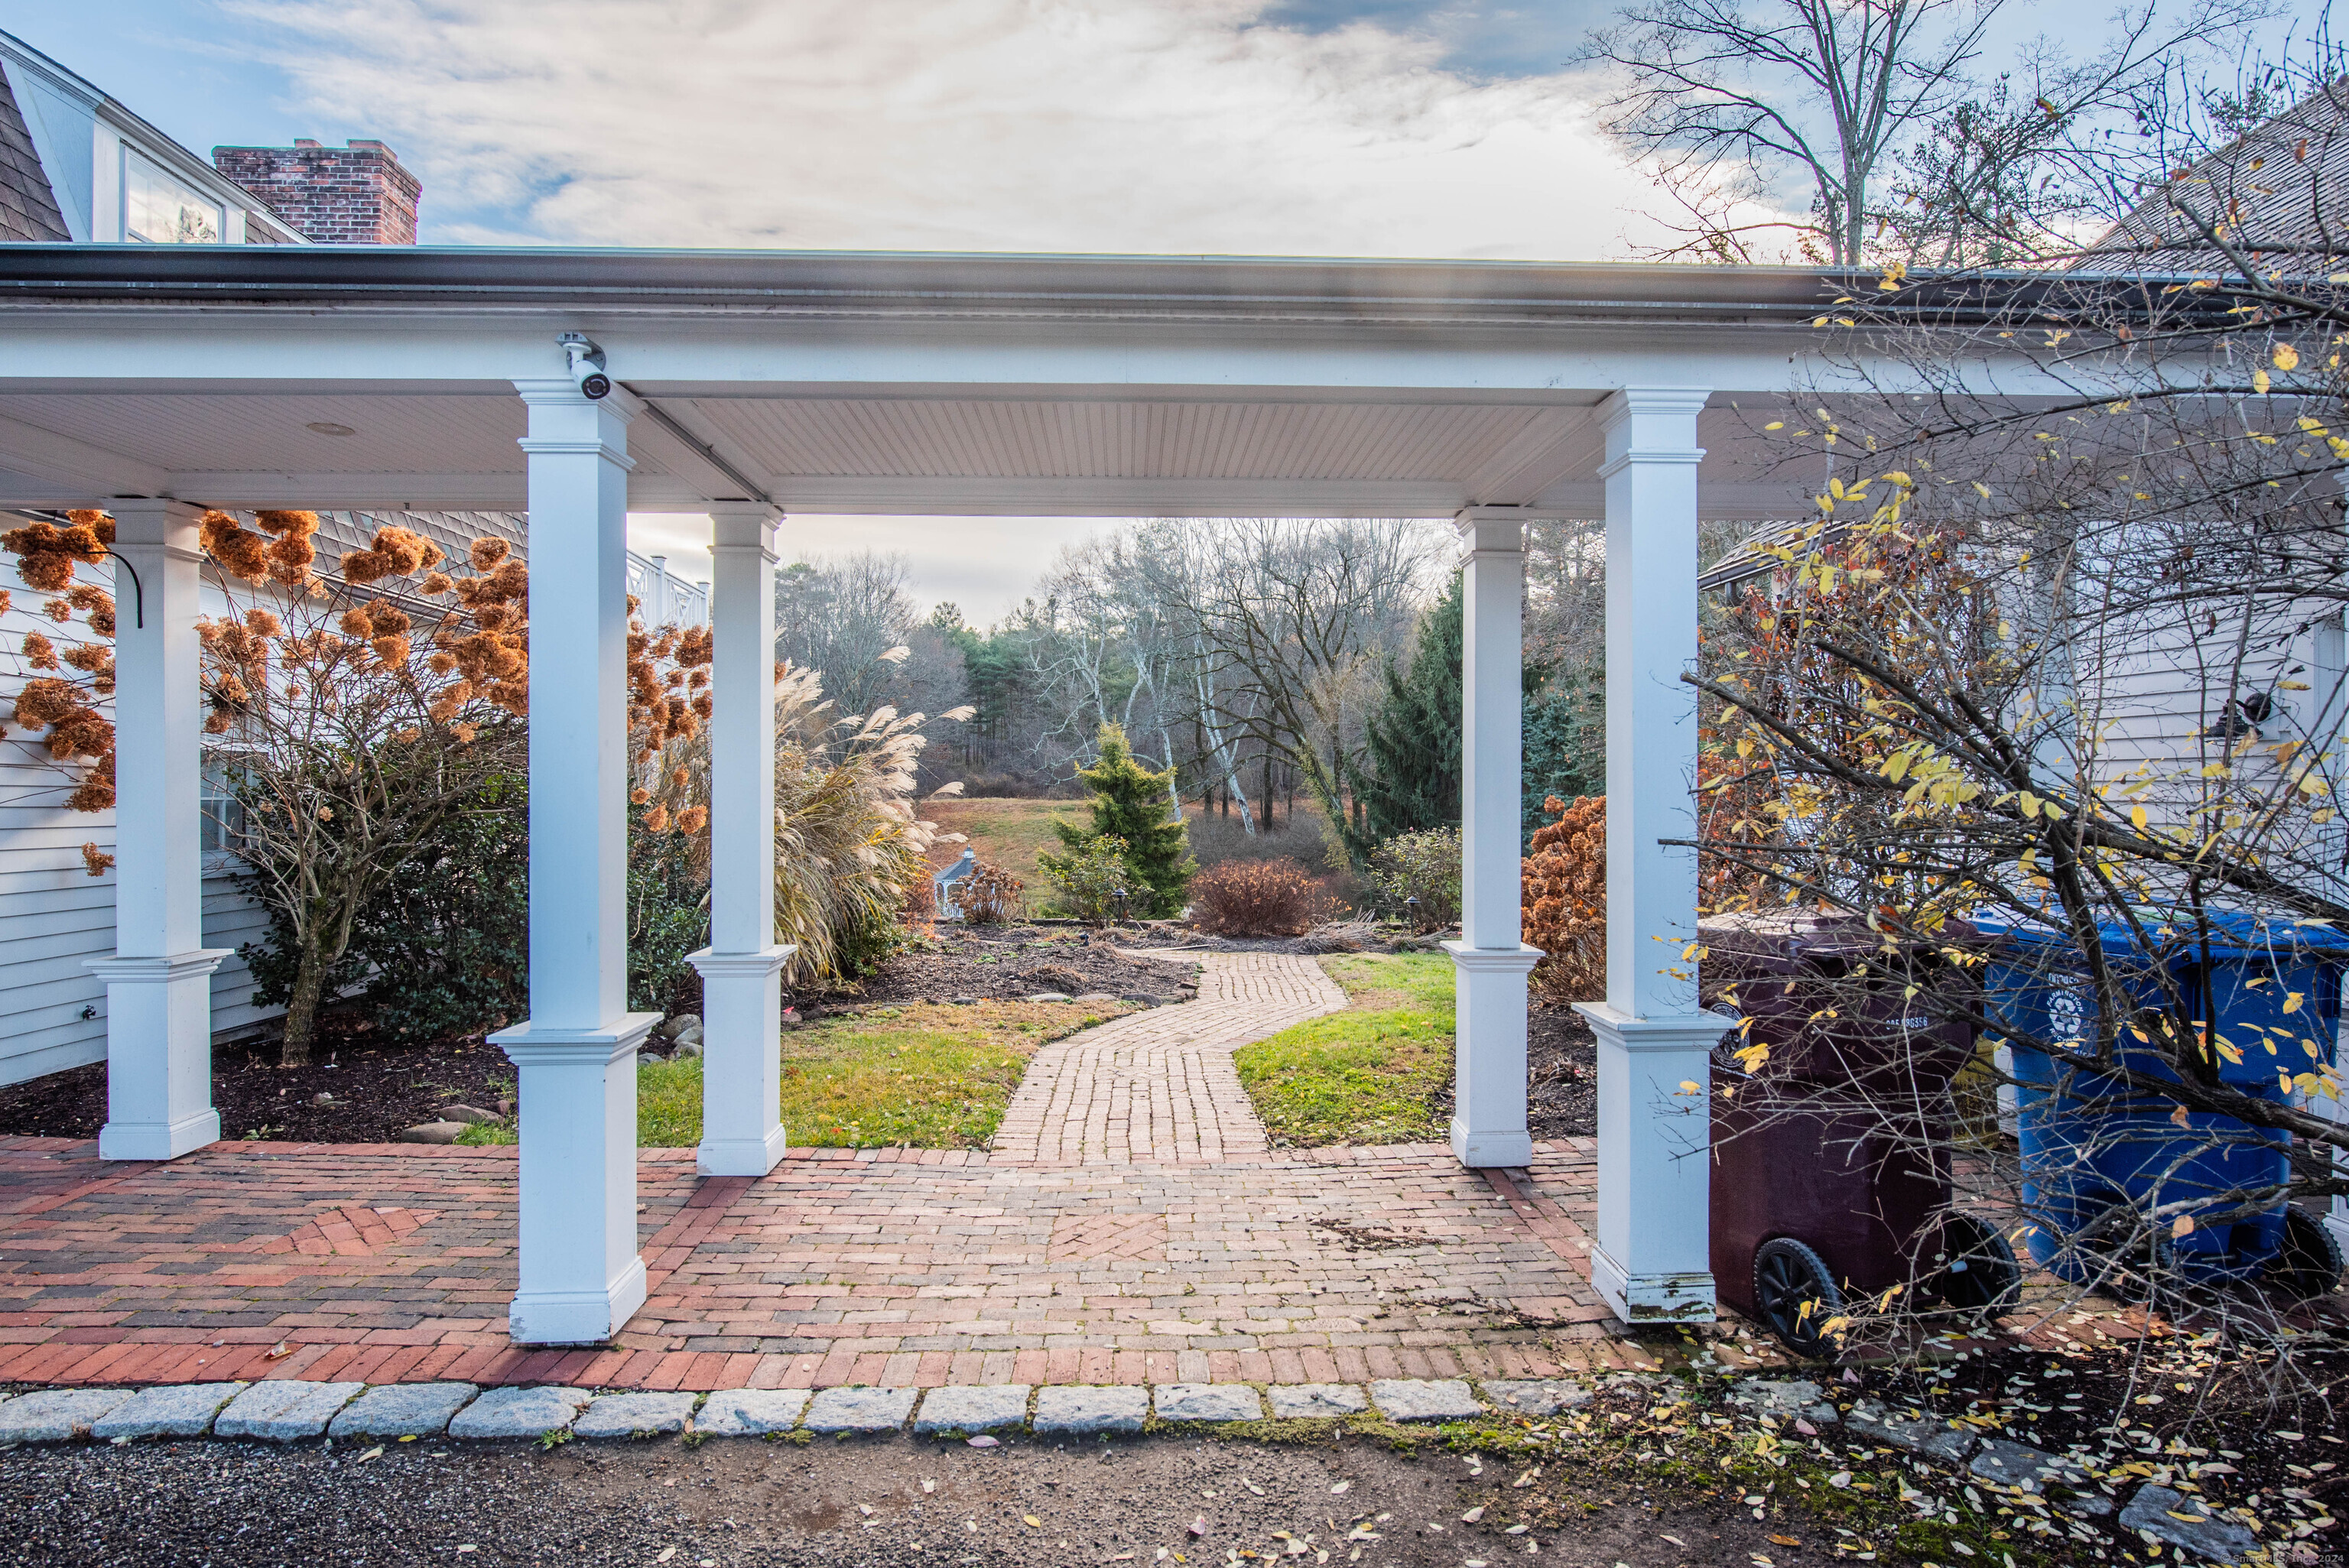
(2285,183)
(29,208)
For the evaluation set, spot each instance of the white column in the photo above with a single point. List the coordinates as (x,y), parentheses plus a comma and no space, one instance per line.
(1490,961)
(741,969)
(576,1056)
(158,1024)
(1651,1263)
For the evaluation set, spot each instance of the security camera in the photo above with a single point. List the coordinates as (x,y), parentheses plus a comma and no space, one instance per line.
(586,365)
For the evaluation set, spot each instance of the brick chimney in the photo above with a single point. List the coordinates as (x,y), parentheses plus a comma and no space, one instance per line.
(355,195)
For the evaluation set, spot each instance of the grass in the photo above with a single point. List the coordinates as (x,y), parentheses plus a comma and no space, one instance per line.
(928,1075)
(1008,833)
(1368,1074)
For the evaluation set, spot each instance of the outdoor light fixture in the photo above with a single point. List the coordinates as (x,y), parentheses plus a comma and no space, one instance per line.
(586,365)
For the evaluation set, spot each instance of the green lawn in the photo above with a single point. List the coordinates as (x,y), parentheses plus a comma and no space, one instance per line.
(1366,1075)
(928,1075)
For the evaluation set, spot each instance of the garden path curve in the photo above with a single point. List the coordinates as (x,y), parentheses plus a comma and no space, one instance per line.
(1160,1085)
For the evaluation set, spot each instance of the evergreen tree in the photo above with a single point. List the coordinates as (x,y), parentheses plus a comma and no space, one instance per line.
(1566,741)
(1414,736)
(1131,803)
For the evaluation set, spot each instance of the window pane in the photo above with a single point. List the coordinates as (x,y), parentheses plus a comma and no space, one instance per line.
(162,210)
(221,824)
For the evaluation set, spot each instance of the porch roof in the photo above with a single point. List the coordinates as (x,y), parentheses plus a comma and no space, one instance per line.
(839,382)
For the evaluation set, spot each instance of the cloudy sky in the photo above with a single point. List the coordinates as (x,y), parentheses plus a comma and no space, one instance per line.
(1422,127)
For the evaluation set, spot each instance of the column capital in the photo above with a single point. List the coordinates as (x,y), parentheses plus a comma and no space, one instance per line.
(156,521)
(1650,425)
(744,525)
(1491,530)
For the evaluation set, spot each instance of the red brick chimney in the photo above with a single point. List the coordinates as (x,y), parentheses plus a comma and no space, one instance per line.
(355,195)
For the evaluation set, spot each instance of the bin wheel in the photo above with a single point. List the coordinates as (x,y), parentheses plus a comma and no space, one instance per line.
(2310,1263)
(1981,1277)
(1794,1293)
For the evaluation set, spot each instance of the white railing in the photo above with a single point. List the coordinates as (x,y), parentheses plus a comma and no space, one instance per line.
(662,599)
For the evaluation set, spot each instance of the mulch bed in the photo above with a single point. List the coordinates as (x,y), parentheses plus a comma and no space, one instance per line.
(1005,963)
(375,1089)
(1561,1072)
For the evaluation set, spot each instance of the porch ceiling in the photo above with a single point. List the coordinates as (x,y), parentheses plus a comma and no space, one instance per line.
(880,384)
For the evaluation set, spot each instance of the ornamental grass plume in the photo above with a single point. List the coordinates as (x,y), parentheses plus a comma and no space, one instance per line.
(849,843)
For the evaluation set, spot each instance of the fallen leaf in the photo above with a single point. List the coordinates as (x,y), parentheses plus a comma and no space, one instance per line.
(1342,1486)
(1527,1479)
(1472,1515)
(980,1442)
(1804,1427)
(666,1554)
(1677,1542)
(1785,1540)
(373,1453)
(1031,1522)
(1199,1526)
(279,1353)
(865,1509)
(929,1486)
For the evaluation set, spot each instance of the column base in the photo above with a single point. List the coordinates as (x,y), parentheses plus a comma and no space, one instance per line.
(158,1054)
(1684,1297)
(581,1275)
(742,1067)
(1488,1057)
(559,1317)
(1651,1259)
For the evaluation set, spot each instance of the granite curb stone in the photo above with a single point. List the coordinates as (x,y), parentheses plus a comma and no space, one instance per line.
(1085,1410)
(519,1413)
(1787,1399)
(861,1409)
(626,1415)
(2020,1466)
(1423,1399)
(1306,1401)
(1932,1439)
(177,1411)
(2155,1510)
(1528,1397)
(1208,1402)
(284,1411)
(750,1412)
(56,1415)
(402,1411)
(962,1408)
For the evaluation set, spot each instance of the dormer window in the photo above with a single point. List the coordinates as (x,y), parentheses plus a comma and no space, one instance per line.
(161,209)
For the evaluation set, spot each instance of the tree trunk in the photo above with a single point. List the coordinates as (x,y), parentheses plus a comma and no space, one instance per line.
(302,1005)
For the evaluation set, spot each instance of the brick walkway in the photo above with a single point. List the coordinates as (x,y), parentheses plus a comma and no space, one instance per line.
(910,1267)
(1159,1085)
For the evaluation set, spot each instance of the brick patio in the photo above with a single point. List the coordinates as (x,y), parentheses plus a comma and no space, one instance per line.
(1085,1248)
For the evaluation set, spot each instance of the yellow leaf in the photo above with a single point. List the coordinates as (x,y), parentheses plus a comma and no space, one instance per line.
(1690,1086)
(2260,382)
(1776,424)
(2138,817)
(1033,1521)
(1818,321)
(2286,356)
(2291,1003)
(2182,1226)
(1981,490)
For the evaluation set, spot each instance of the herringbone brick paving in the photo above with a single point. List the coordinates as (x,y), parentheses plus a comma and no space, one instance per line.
(923,1267)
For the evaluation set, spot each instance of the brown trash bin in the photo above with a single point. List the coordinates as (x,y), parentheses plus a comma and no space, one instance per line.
(1812,1207)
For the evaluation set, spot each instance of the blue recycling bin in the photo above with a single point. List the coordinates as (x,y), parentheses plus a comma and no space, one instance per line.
(2090,1141)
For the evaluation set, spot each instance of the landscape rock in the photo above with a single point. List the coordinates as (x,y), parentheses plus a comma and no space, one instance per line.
(1088,1410)
(468,1114)
(1519,1397)
(1047,996)
(402,1411)
(430,1132)
(966,1408)
(626,1415)
(1418,1399)
(686,1049)
(1092,996)
(1932,1438)
(676,1024)
(56,1415)
(2156,1511)
(646,1058)
(750,1412)
(2020,1465)
(185,1410)
(1208,1402)
(688,1036)
(1784,1399)
(1305,1401)
(861,1409)
(518,1412)
(283,1411)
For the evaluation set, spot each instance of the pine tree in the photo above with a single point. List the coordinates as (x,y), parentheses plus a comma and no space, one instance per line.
(1414,736)
(1131,803)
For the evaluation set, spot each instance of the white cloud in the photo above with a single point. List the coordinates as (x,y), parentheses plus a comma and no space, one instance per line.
(1003,125)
